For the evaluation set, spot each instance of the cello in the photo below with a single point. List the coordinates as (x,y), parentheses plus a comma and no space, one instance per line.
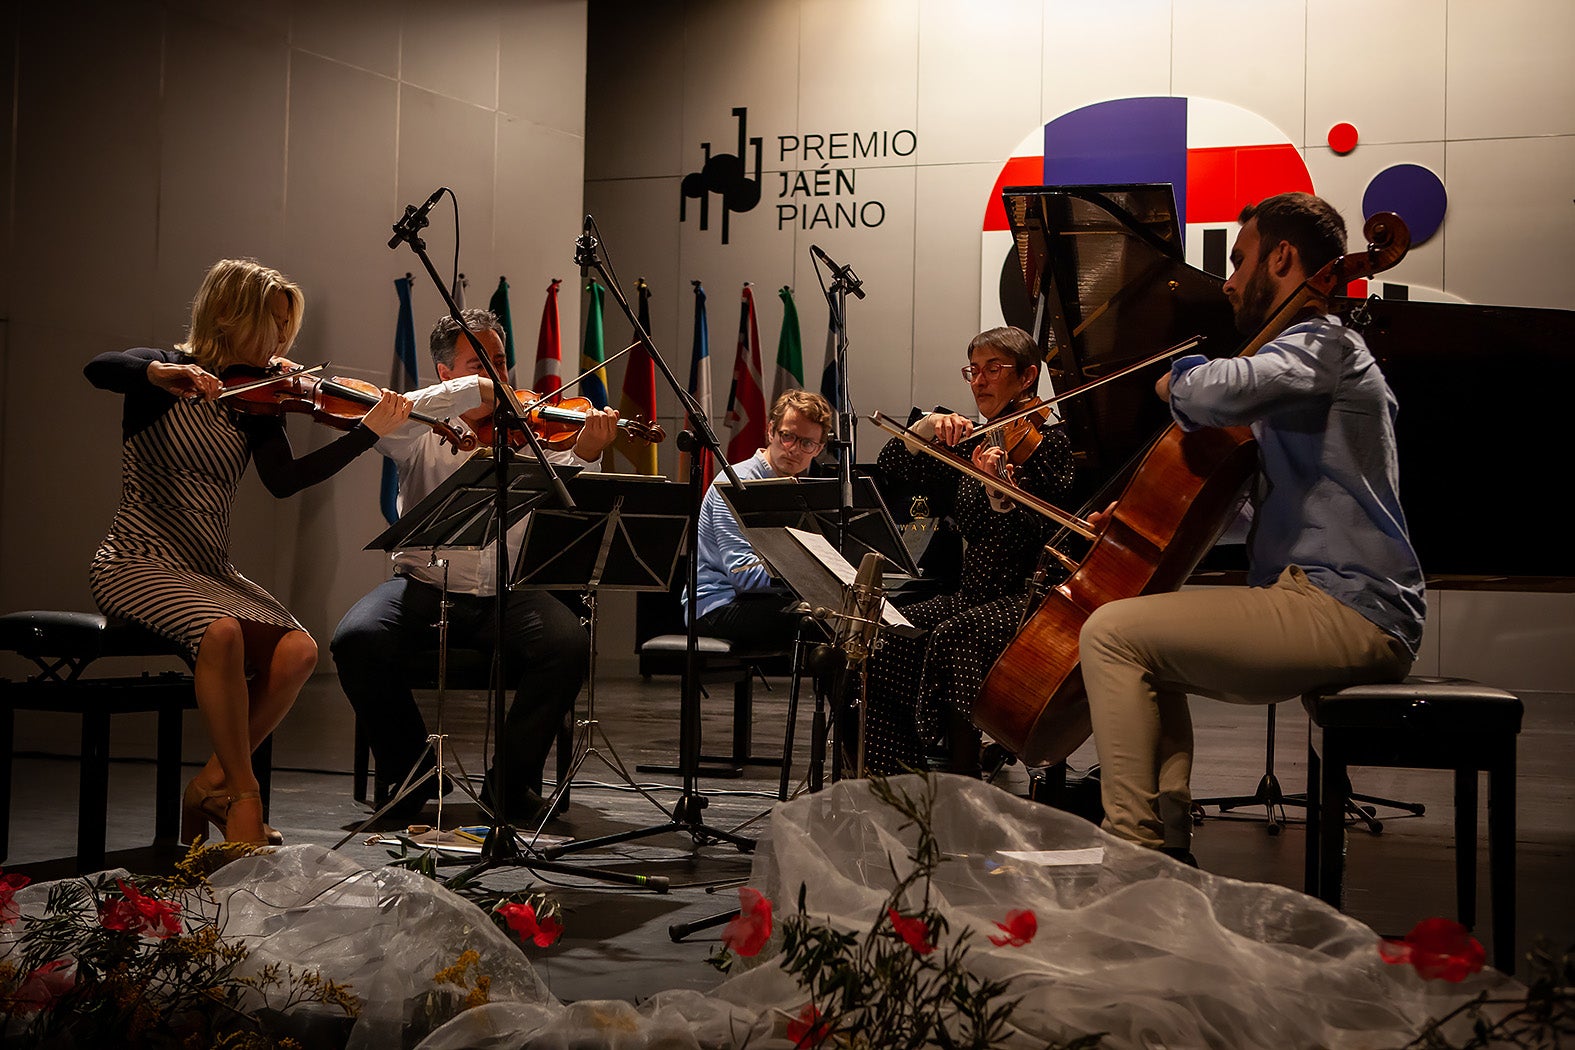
(1178,500)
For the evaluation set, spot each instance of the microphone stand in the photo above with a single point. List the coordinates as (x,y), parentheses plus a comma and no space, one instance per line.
(501,847)
(685,814)
(843,282)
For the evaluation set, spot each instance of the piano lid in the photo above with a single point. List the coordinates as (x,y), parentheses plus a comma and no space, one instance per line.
(1481,388)
(1102,282)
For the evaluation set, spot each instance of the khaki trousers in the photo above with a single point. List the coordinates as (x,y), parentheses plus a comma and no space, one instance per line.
(1253,645)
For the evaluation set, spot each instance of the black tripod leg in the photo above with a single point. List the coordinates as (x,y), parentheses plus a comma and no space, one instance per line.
(679,930)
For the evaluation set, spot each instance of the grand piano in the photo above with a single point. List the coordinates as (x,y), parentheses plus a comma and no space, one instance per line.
(1099,276)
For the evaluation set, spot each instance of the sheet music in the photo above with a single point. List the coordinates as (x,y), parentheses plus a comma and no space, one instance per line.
(822,551)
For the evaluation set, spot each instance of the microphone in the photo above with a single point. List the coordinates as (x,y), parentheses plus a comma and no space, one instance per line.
(869,596)
(585,246)
(414,219)
(843,273)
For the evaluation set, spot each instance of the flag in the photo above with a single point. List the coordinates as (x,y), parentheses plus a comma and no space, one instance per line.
(639,392)
(790,350)
(549,347)
(746,400)
(699,381)
(830,388)
(594,386)
(401,379)
(499,305)
(460,284)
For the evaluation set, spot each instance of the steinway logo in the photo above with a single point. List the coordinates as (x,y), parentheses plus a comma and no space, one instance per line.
(813,191)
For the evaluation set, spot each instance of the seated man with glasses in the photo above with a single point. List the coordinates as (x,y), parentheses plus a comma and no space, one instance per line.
(735,598)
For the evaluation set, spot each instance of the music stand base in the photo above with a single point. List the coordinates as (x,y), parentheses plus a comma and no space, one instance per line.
(686,821)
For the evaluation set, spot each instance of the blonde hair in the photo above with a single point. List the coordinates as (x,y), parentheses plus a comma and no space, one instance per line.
(811,406)
(230,312)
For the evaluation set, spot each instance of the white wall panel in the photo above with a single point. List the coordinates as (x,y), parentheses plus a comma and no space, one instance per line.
(1509,71)
(859,64)
(1511,227)
(540,187)
(1379,67)
(634,84)
(446,142)
(1098,51)
(452,49)
(1246,52)
(969,109)
(340,204)
(1342,180)
(222,152)
(541,67)
(87,158)
(361,33)
(945,282)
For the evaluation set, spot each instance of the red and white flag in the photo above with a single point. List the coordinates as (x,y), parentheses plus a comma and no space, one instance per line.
(746,401)
(549,346)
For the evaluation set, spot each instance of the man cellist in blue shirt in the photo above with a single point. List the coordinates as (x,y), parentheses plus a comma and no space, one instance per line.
(1335,593)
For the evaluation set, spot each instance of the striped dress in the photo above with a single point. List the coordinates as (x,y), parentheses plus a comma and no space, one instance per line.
(165,561)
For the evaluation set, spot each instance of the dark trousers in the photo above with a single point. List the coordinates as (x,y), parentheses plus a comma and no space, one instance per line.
(545,652)
(754,621)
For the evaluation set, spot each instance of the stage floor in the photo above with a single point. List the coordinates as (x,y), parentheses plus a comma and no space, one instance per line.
(616,943)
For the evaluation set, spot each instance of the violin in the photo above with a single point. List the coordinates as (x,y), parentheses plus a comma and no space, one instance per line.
(557,426)
(283,386)
(1021,435)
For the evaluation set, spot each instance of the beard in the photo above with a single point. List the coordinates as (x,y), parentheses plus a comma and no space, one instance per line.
(1257,299)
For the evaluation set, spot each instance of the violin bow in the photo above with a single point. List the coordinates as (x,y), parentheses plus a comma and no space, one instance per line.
(241,388)
(1011,490)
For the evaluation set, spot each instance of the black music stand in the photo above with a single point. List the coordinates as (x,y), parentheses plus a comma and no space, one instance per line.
(461,514)
(626,533)
(816,504)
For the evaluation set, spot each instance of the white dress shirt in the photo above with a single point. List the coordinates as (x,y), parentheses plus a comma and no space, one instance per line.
(425,461)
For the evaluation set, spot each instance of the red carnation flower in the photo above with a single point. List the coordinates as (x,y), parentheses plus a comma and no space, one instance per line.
(1019,927)
(41,988)
(915,931)
(522,919)
(749,930)
(9,884)
(138,913)
(1440,949)
(809,1028)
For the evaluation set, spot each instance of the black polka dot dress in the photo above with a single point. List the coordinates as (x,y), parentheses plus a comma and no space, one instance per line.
(914,684)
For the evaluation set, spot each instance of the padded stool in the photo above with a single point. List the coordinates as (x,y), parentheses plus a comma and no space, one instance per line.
(1420,723)
(62,645)
(719,662)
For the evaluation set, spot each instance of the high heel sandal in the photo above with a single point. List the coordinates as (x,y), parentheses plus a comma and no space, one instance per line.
(200,808)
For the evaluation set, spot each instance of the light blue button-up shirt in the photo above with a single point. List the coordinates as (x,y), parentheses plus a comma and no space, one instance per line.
(1327,495)
(728,565)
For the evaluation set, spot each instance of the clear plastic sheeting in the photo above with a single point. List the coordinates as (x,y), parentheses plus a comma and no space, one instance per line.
(1138,946)
(384,933)
(1129,943)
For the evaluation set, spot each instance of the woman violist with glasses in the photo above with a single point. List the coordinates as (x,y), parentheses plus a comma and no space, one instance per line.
(921,690)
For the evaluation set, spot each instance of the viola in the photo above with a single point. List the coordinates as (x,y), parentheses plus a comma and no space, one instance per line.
(558,425)
(1175,505)
(284,386)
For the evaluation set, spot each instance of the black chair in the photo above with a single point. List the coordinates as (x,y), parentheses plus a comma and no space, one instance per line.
(662,643)
(469,670)
(1420,723)
(62,645)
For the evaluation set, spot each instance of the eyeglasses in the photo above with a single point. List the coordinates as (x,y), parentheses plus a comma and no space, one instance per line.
(788,439)
(990,370)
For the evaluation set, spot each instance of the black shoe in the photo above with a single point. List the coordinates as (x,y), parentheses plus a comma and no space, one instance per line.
(1178,853)
(526,810)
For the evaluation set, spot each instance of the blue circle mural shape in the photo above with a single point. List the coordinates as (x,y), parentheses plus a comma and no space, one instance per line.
(1412,192)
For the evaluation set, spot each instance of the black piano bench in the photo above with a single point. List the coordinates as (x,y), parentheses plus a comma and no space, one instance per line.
(1420,723)
(720,661)
(62,645)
